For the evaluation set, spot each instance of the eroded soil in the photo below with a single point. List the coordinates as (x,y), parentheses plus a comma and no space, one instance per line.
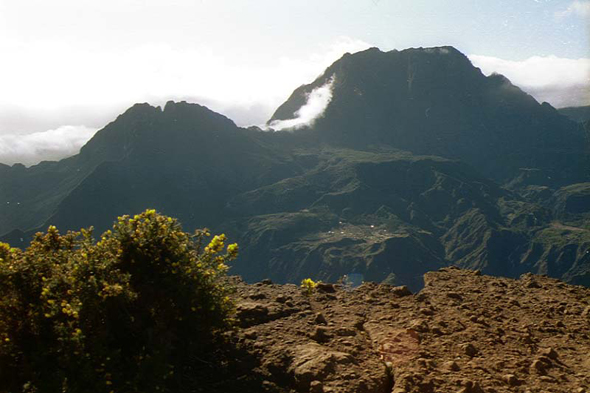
(464,332)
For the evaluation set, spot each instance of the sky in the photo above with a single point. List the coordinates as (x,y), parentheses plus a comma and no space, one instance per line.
(69,67)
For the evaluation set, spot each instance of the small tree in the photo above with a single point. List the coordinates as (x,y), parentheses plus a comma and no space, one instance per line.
(122,314)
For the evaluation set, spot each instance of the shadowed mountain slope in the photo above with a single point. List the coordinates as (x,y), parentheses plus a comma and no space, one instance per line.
(579,114)
(402,174)
(185,160)
(434,101)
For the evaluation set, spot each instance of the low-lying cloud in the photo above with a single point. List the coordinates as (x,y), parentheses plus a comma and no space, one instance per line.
(317,102)
(84,86)
(98,81)
(48,145)
(559,81)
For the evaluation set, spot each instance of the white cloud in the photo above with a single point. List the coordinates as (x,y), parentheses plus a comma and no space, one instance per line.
(48,81)
(579,8)
(54,144)
(559,81)
(47,84)
(317,102)
(49,76)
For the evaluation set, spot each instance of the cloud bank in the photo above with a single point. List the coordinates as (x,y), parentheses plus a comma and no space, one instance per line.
(559,81)
(49,83)
(317,102)
(54,144)
(95,81)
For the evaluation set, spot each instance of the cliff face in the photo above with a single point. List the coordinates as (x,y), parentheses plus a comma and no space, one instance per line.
(464,332)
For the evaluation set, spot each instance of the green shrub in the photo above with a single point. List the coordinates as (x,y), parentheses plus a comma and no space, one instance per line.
(124,314)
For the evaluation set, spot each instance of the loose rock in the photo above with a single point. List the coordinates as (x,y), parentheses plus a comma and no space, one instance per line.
(511,380)
(401,291)
(470,350)
(320,319)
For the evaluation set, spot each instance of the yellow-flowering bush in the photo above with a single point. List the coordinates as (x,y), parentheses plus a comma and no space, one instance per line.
(308,285)
(124,314)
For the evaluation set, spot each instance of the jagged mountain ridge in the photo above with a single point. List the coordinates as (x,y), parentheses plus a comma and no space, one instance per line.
(341,197)
(146,149)
(187,161)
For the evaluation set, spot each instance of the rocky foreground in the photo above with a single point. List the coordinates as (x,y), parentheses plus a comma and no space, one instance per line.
(464,332)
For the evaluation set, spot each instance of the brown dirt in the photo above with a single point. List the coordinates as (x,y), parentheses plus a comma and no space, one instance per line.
(463,332)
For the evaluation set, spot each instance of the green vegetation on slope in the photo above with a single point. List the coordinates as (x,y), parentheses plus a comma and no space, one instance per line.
(125,314)
(386,213)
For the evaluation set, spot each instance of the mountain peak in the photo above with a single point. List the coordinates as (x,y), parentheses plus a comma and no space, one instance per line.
(387,74)
(146,127)
(197,114)
(434,101)
(434,50)
(140,110)
(172,106)
(448,53)
(443,50)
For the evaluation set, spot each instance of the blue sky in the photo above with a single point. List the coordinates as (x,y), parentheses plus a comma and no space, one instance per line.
(70,66)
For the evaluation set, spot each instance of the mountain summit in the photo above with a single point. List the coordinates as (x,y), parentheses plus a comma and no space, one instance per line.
(434,101)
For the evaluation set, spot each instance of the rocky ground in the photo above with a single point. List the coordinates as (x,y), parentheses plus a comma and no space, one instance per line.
(464,332)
